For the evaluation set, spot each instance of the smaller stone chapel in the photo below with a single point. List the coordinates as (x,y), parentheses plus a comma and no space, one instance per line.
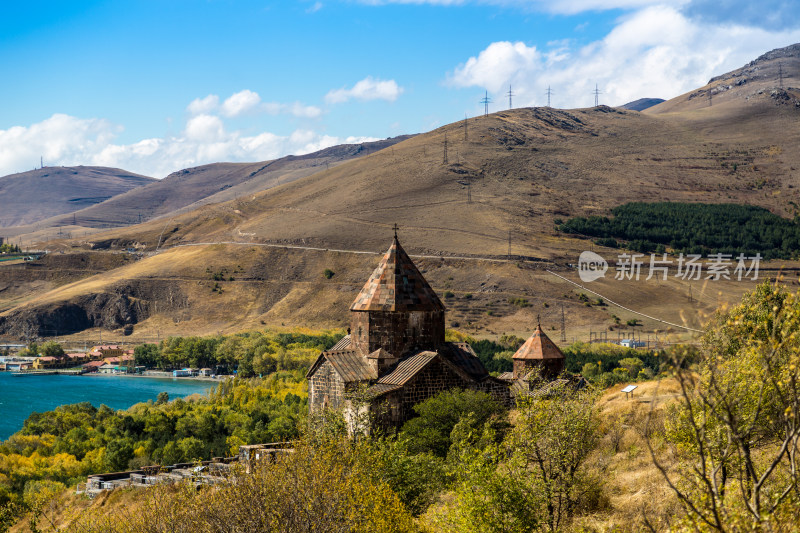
(396,354)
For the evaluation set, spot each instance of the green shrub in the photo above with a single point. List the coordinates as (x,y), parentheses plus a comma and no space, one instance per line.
(430,431)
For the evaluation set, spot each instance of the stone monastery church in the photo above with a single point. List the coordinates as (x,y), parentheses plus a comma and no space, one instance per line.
(395,349)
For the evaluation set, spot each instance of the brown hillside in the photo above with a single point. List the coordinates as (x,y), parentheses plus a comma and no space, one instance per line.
(32,196)
(193,187)
(523,169)
(758,78)
(503,184)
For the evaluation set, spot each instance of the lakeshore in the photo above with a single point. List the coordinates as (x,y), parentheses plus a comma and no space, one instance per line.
(21,396)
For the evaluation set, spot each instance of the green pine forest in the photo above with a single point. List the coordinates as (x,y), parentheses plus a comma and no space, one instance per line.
(694,228)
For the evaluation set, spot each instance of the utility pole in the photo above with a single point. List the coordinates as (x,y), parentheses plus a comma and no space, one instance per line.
(548,92)
(509,245)
(469,191)
(563,325)
(444,159)
(41,161)
(510,94)
(486,101)
(709,98)
(596,95)
(780,75)
(465,126)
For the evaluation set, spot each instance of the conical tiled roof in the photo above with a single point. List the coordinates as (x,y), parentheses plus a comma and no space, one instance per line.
(397,285)
(539,346)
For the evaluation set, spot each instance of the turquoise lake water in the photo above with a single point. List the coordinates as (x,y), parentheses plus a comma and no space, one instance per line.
(23,395)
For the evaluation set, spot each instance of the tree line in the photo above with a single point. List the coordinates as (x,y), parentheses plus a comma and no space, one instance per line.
(249,354)
(694,228)
(8,248)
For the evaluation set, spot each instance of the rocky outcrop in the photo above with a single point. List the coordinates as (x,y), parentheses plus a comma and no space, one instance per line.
(120,307)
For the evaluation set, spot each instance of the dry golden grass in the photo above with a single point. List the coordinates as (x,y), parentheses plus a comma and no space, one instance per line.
(526,167)
(635,488)
(276,287)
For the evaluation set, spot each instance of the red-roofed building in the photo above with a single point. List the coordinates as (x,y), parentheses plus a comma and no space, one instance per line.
(106,350)
(92,366)
(49,362)
(77,358)
(538,352)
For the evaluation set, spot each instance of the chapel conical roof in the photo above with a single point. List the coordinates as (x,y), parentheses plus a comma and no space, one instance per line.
(397,285)
(539,346)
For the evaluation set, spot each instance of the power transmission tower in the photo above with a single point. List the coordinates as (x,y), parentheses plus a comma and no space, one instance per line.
(596,93)
(780,75)
(444,159)
(563,325)
(486,101)
(510,94)
(465,126)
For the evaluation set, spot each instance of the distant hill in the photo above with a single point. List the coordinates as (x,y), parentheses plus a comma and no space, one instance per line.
(217,182)
(498,193)
(31,196)
(642,103)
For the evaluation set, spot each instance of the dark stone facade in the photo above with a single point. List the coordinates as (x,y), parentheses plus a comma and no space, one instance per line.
(325,389)
(549,368)
(397,332)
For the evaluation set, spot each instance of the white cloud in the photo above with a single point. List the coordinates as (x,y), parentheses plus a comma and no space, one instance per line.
(205,128)
(58,138)
(248,101)
(367,89)
(767,14)
(203,105)
(240,103)
(654,52)
(314,8)
(563,7)
(296,109)
(68,141)
(497,65)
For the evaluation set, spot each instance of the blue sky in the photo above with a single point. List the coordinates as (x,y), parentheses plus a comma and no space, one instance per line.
(154,86)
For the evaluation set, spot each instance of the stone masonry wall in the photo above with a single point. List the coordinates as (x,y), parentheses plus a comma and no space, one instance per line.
(325,389)
(551,368)
(397,332)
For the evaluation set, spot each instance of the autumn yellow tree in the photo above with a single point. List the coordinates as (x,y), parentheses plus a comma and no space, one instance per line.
(736,427)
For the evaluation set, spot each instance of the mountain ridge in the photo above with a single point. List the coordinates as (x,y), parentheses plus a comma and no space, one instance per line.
(475,210)
(28,197)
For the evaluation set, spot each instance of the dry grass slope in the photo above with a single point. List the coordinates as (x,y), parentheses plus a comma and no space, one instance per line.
(504,184)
